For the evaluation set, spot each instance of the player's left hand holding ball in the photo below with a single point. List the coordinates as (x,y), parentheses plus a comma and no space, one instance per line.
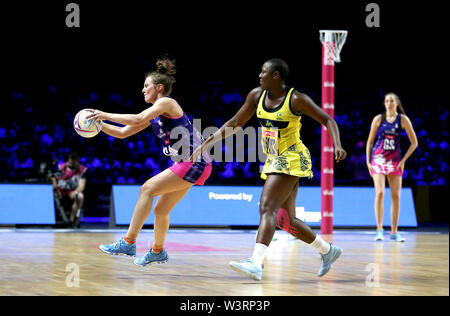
(86,127)
(96,115)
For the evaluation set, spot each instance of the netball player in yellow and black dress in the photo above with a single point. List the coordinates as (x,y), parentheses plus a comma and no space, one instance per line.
(279,109)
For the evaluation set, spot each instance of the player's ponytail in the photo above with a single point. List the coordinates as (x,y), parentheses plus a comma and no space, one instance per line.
(166,66)
(164,74)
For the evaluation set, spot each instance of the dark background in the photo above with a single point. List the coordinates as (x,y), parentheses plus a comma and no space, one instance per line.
(118,41)
(50,71)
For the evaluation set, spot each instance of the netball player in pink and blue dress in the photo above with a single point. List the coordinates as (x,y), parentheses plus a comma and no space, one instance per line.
(385,161)
(171,185)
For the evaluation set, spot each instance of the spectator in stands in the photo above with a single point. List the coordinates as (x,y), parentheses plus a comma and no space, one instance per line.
(31,136)
(69,184)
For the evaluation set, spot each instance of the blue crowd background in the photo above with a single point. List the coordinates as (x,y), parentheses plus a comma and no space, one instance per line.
(50,72)
(38,133)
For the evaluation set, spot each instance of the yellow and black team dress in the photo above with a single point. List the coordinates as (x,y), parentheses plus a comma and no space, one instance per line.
(281,141)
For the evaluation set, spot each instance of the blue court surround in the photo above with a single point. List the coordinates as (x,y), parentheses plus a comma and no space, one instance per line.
(238,206)
(27,204)
(210,206)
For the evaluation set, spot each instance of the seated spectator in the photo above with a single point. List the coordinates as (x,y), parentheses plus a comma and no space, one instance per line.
(69,185)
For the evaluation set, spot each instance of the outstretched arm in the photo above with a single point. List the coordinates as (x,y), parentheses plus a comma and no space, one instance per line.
(123,132)
(233,125)
(301,103)
(162,106)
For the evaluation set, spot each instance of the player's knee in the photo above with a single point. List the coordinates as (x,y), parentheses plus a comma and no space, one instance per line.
(266,207)
(80,197)
(160,211)
(395,196)
(148,188)
(379,194)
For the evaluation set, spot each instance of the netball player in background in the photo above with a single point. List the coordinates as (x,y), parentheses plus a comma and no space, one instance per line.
(385,161)
(172,184)
(279,109)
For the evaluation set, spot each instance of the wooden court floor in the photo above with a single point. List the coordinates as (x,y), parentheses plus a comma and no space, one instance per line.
(66,262)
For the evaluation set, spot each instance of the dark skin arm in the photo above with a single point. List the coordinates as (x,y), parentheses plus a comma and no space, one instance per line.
(233,125)
(303,104)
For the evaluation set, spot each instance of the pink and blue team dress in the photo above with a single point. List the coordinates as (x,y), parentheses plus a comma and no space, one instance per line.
(181,148)
(386,154)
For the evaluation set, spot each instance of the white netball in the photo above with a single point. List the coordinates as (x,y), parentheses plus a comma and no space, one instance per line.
(86,128)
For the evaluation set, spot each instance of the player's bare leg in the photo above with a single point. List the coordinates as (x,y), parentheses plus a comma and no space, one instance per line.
(379,181)
(395,183)
(166,202)
(163,183)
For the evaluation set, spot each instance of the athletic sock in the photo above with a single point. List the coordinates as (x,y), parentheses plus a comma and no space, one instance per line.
(258,254)
(321,245)
(129,242)
(157,250)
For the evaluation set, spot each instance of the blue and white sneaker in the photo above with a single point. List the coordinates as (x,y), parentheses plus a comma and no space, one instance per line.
(152,258)
(248,268)
(379,235)
(396,237)
(328,259)
(120,248)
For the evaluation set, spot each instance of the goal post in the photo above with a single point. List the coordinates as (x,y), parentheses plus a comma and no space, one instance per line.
(332,43)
